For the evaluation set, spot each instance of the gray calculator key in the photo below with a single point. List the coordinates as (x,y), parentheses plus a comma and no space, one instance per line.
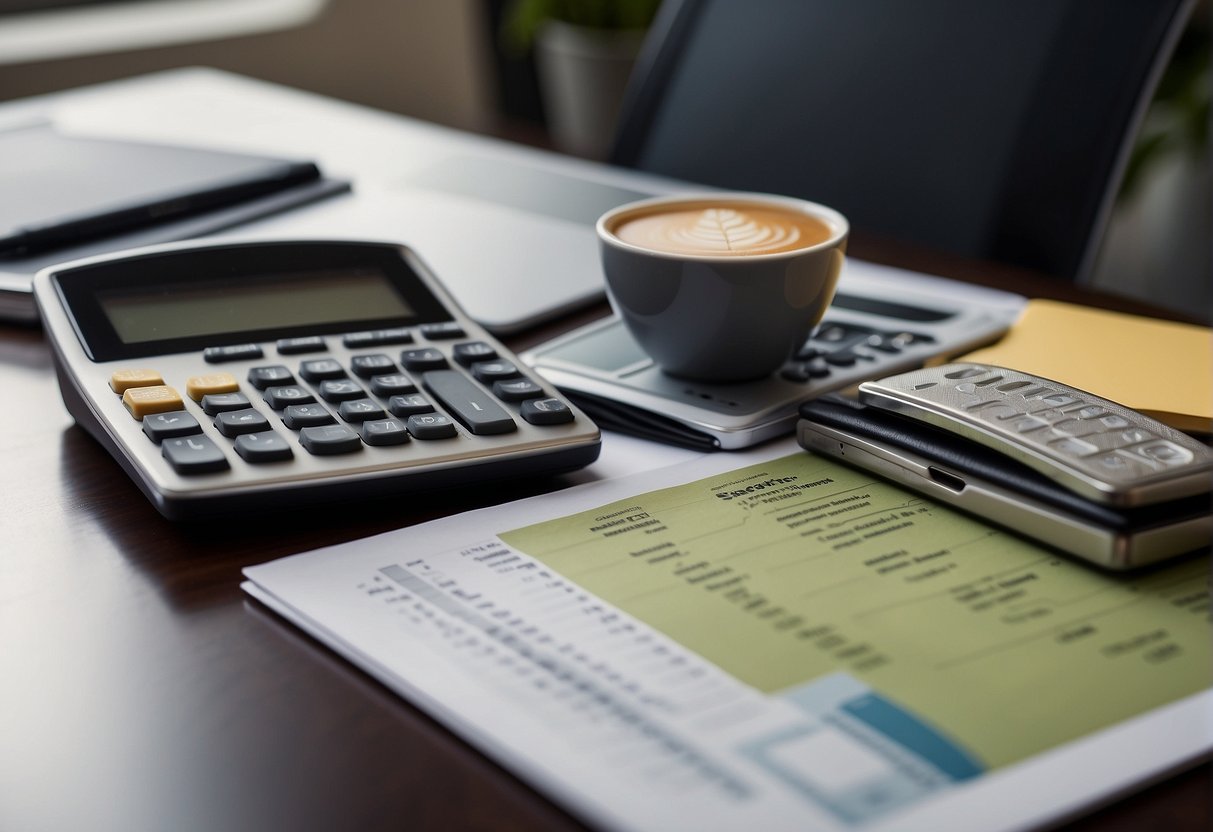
(431,426)
(517,390)
(409,404)
(490,371)
(392,384)
(267,446)
(193,455)
(384,432)
(469,403)
(272,376)
(299,416)
(215,403)
(233,352)
(320,369)
(814,366)
(295,346)
(161,426)
(444,330)
(426,358)
(365,366)
(329,440)
(237,422)
(359,410)
(840,358)
(340,390)
(546,412)
(360,340)
(395,335)
(473,351)
(280,397)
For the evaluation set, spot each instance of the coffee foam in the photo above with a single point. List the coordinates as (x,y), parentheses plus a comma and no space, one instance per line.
(720,229)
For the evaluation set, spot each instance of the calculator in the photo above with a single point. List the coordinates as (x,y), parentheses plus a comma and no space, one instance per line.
(881,321)
(229,377)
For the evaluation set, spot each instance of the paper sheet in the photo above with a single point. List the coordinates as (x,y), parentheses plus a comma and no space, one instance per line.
(784,644)
(788,571)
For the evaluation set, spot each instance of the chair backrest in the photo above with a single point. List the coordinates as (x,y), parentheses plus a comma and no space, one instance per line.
(996,129)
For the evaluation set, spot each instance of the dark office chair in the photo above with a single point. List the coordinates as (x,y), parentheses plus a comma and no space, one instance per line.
(996,129)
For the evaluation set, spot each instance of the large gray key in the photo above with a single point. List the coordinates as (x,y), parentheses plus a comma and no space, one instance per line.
(468,403)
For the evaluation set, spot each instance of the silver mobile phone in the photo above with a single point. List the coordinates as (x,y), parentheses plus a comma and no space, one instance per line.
(1072,470)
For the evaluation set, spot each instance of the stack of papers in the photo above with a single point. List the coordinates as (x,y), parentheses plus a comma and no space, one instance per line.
(771,640)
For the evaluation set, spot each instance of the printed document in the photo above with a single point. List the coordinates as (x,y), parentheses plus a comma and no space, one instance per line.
(773,639)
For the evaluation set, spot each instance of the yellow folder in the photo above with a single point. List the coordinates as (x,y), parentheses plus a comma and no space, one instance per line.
(1161,368)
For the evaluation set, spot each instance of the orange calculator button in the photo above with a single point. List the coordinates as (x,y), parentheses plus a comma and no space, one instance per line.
(123,380)
(200,386)
(143,401)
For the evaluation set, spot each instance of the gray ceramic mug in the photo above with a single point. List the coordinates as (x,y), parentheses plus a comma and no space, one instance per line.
(721,286)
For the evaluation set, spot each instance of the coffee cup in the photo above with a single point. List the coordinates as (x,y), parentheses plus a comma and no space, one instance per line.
(721,286)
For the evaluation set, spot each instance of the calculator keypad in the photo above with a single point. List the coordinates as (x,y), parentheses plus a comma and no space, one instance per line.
(336,407)
(836,345)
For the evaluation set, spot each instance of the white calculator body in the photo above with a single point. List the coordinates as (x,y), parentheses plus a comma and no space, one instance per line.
(236,377)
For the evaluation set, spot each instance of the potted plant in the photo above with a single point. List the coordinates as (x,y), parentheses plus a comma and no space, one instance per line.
(584,52)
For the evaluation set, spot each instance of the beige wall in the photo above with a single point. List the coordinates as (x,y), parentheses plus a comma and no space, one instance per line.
(425,58)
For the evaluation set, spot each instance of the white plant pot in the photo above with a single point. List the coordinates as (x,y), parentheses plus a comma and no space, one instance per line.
(582,76)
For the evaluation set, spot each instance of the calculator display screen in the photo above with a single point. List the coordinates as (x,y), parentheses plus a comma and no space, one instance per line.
(191,299)
(258,302)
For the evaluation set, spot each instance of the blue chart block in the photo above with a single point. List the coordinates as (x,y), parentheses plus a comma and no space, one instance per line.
(909,731)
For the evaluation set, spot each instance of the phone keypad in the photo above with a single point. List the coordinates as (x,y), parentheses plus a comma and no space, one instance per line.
(1096,447)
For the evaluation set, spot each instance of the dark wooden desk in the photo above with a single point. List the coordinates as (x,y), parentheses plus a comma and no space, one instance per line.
(142,691)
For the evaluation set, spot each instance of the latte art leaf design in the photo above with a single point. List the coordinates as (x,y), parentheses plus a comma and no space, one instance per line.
(721,229)
(724,229)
